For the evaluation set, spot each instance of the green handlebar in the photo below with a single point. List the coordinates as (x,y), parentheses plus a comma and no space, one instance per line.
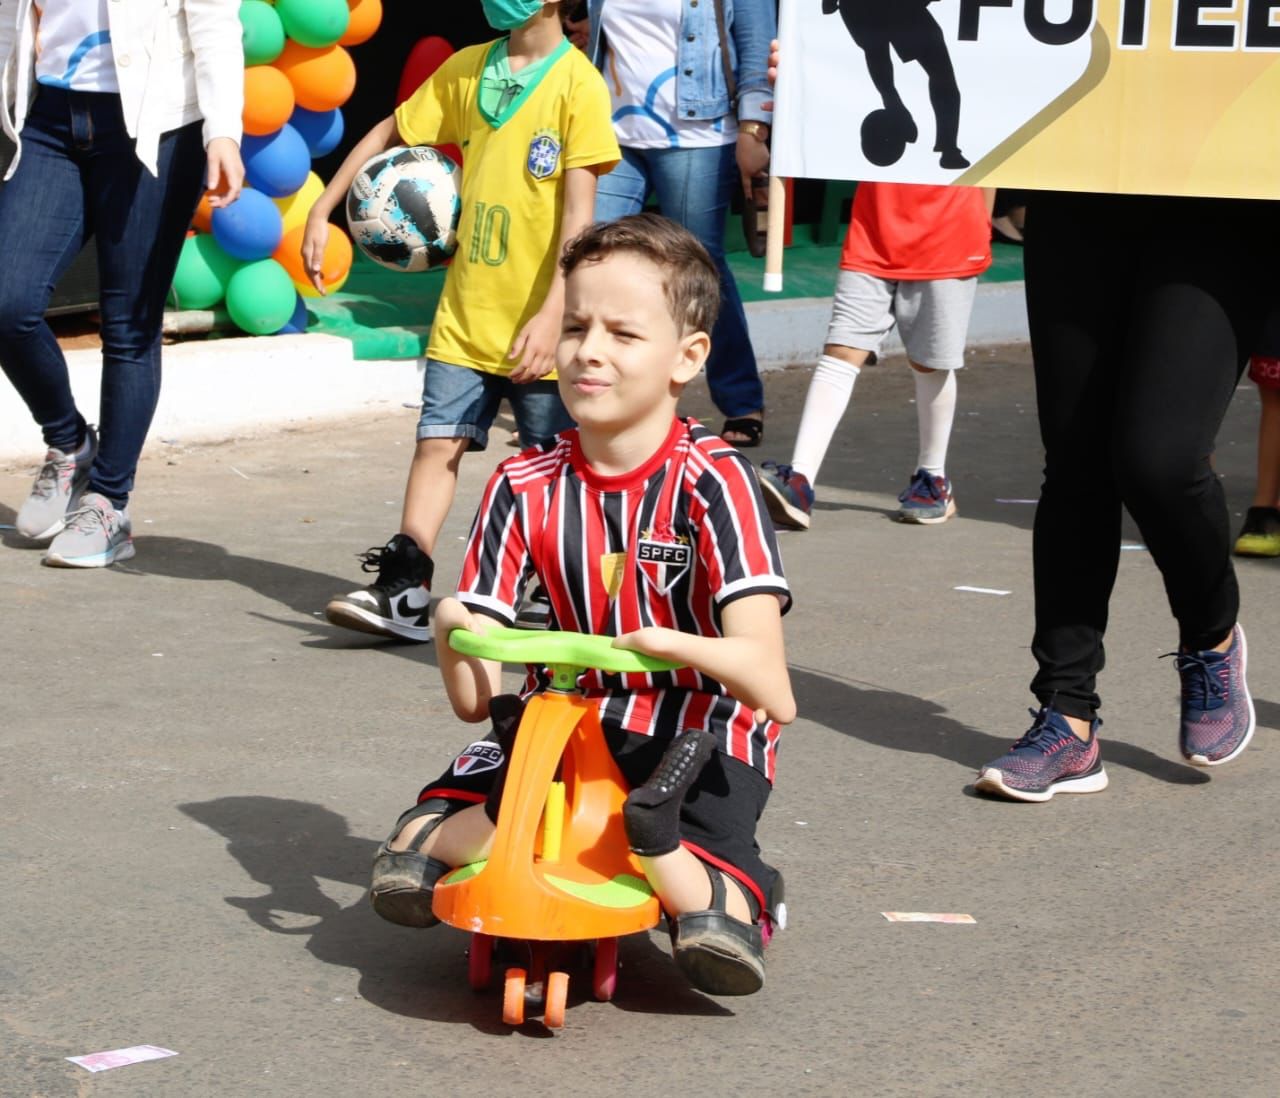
(538,646)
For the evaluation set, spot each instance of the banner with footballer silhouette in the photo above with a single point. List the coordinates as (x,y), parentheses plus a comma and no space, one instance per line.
(1136,96)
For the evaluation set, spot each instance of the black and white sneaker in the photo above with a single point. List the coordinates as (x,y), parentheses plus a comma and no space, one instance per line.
(396,603)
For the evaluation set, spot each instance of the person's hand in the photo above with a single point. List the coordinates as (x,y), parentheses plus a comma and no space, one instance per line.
(774,54)
(225,173)
(652,640)
(314,238)
(753,159)
(578,32)
(534,350)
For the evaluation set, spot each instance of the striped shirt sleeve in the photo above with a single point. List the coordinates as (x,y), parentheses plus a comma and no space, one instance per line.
(496,564)
(736,542)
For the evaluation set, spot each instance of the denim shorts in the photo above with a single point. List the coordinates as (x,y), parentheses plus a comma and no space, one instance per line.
(459,402)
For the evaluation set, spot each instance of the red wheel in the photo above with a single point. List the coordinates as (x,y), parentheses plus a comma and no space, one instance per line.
(513,997)
(557,993)
(480,961)
(604,973)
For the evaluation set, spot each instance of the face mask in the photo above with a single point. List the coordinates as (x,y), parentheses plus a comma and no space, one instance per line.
(505,15)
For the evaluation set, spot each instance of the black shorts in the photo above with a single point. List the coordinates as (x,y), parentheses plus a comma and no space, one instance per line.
(1269,341)
(717,820)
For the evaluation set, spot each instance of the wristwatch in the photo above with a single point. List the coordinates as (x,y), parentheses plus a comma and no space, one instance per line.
(758,130)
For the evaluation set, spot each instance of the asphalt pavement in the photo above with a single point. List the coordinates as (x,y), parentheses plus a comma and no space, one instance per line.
(197,770)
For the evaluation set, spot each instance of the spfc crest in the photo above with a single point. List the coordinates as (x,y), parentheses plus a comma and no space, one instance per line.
(544,154)
(663,562)
(480,756)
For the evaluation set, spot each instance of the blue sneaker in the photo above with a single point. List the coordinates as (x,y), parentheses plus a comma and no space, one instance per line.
(927,500)
(1048,759)
(787,494)
(1217,713)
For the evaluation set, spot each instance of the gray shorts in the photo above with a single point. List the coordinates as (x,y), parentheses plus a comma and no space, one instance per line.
(932,316)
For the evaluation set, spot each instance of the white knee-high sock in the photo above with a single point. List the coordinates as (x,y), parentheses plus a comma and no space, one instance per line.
(935,413)
(824,405)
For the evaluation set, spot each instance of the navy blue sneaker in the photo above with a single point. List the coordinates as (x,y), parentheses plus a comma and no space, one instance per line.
(787,494)
(1048,759)
(1217,713)
(927,500)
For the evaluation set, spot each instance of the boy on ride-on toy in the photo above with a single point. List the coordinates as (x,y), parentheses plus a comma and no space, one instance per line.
(645,527)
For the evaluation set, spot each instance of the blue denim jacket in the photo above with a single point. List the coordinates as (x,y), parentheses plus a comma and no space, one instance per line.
(700,86)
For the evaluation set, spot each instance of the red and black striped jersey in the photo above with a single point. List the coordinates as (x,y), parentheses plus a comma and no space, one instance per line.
(669,544)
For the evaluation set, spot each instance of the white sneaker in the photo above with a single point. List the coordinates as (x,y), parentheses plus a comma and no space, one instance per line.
(60,481)
(96,535)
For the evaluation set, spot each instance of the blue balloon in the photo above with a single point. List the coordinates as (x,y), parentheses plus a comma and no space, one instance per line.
(250,228)
(321,130)
(278,163)
(296,324)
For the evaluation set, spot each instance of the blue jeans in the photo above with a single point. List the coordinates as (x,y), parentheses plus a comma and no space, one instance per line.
(693,187)
(459,402)
(79,177)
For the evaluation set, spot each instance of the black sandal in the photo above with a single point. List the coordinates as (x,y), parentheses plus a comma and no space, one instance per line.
(717,953)
(404,881)
(750,426)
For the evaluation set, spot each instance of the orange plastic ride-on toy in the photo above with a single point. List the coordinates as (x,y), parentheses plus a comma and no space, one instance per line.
(559,873)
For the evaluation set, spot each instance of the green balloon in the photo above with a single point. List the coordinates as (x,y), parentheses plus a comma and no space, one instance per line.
(261,297)
(204,270)
(263,32)
(315,23)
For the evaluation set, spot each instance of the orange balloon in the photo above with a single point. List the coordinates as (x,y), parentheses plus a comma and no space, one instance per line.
(334,267)
(268,99)
(366,16)
(322,79)
(203,219)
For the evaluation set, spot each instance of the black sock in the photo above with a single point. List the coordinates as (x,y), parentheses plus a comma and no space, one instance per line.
(505,711)
(652,812)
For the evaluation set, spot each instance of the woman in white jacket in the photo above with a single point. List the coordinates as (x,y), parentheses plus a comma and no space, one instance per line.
(122,112)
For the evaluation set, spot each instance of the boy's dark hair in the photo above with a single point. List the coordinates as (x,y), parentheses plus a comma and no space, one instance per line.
(690,279)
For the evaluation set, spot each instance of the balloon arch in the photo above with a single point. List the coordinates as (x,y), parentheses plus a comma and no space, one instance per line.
(299,75)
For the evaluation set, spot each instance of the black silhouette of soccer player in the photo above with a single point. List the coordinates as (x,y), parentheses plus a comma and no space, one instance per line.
(911,30)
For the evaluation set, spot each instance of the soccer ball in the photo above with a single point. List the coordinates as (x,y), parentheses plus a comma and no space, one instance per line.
(403,208)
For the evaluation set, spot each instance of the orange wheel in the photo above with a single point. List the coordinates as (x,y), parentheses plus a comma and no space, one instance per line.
(513,997)
(557,993)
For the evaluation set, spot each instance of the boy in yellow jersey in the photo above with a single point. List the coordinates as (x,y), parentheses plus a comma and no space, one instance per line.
(531,115)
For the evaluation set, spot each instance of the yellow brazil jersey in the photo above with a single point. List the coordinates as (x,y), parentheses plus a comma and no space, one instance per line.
(512,194)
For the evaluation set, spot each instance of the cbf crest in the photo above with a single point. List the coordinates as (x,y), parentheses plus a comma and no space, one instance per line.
(663,558)
(544,154)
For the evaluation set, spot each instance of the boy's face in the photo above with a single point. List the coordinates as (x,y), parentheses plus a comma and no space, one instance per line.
(622,358)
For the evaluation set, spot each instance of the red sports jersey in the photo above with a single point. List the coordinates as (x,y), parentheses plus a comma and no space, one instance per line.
(914,232)
(670,544)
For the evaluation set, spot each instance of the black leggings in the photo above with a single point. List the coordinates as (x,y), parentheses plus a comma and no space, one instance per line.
(1143,312)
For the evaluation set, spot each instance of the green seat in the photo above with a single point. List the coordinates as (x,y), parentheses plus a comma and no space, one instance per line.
(834,195)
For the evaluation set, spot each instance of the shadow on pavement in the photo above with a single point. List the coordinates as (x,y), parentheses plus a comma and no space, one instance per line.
(902,722)
(1268,713)
(300,589)
(289,846)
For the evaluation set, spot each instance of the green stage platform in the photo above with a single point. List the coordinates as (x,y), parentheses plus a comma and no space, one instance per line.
(388,315)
